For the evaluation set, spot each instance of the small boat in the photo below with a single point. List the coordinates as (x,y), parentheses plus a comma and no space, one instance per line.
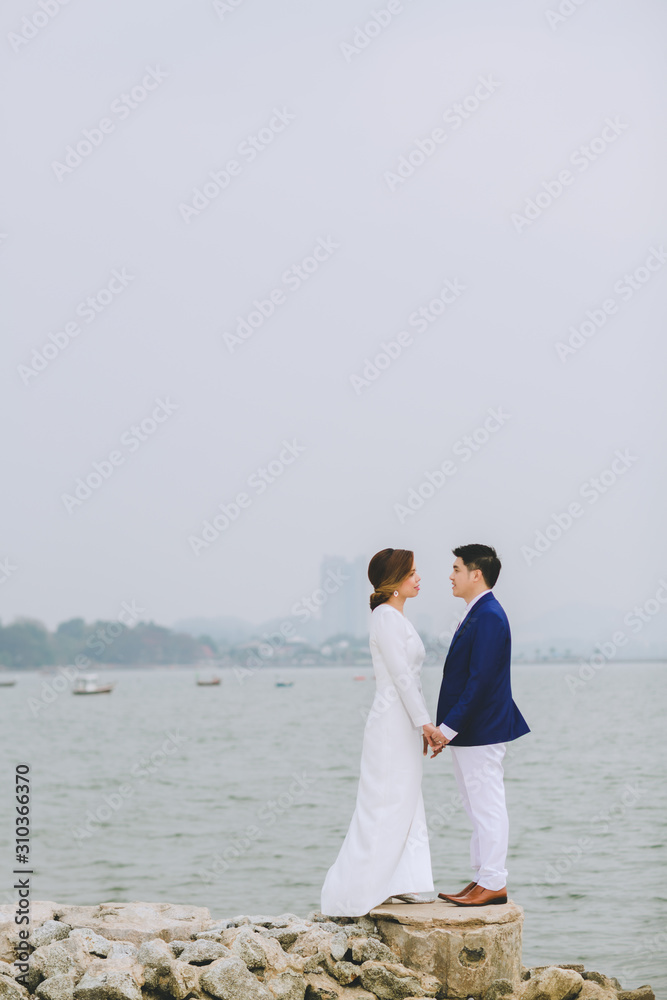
(207,681)
(284,684)
(87,684)
(359,677)
(7,684)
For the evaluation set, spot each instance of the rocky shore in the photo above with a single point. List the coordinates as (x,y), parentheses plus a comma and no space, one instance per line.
(157,951)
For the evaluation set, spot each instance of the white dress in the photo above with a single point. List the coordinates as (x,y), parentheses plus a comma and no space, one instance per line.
(386,849)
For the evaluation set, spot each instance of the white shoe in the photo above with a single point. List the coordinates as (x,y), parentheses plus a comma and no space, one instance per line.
(418,897)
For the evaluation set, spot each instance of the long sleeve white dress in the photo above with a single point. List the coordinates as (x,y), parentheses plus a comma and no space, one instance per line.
(386,850)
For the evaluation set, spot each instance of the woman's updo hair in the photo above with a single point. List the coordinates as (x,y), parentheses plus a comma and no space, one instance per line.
(386,570)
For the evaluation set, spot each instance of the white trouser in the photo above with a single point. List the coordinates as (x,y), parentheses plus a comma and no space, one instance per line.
(479,775)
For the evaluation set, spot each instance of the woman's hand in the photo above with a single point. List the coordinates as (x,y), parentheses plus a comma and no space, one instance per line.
(433,738)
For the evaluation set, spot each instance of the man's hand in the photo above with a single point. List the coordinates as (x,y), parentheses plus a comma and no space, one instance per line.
(434,738)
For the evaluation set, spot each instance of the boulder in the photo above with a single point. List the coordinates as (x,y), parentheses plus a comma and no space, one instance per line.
(8,970)
(248,946)
(56,988)
(317,963)
(321,987)
(157,954)
(288,985)
(123,951)
(314,940)
(498,989)
(229,979)
(203,952)
(371,949)
(284,920)
(553,983)
(209,936)
(391,981)
(11,990)
(345,972)
(113,985)
(641,993)
(339,946)
(183,980)
(50,960)
(138,922)
(286,936)
(40,912)
(593,991)
(94,943)
(466,949)
(50,930)
(178,946)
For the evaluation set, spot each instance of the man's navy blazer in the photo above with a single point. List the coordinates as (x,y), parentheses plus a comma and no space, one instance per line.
(476,692)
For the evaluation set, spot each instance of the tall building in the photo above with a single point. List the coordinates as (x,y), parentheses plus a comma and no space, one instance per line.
(345,584)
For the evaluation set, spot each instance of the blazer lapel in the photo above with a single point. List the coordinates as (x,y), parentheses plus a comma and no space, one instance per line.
(469,619)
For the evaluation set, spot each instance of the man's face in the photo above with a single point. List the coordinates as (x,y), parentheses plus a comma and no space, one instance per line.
(463,580)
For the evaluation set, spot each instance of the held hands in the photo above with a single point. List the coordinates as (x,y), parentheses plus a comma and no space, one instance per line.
(433,738)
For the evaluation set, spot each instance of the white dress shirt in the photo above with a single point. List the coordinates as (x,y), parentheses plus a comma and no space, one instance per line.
(445,730)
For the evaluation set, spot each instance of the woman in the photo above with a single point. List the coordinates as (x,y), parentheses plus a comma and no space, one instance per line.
(386,851)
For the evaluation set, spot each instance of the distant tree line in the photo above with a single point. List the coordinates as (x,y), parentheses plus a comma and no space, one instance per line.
(28,643)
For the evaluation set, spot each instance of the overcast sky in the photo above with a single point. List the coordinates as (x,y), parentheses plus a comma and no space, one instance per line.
(500,169)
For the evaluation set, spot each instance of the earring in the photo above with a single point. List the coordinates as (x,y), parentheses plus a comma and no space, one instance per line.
(395,593)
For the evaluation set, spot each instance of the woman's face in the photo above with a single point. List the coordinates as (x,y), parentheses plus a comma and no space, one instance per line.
(410,586)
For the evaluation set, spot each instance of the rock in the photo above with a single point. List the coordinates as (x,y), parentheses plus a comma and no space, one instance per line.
(7,970)
(182,980)
(593,991)
(11,990)
(50,960)
(203,952)
(553,983)
(56,988)
(431,986)
(229,979)
(391,981)
(312,941)
(123,951)
(288,985)
(317,963)
(94,943)
(641,993)
(499,988)
(284,920)
(466,949)
(158,955)
(320,987)
(286,936)
(248,946)
(365,949)
(40,912)
(138,922)
(345,972)
(178,946)
(209,936)
(51,930)
(115,985)
(339,946)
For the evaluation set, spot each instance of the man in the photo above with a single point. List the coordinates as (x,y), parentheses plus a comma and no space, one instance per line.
(477,717)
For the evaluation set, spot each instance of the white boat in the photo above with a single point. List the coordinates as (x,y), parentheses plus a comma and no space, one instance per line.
(88,684)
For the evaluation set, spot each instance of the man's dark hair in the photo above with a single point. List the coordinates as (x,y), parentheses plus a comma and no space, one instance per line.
(482,557)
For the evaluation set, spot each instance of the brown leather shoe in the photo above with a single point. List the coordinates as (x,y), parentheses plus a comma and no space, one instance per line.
(479,896)
(457,895)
